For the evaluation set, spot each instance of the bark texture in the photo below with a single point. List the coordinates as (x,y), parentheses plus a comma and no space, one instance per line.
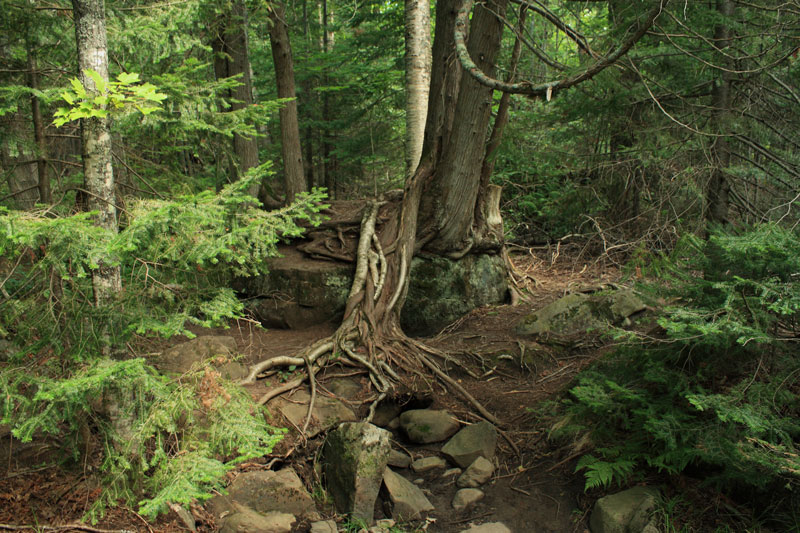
(418,77)
(90,36)
(454,193)
(232,58)
(719,185)
(291,150)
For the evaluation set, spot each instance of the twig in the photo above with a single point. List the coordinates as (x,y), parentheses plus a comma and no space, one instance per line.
(313,382)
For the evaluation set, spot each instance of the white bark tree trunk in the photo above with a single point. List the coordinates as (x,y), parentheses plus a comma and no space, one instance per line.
(418,77)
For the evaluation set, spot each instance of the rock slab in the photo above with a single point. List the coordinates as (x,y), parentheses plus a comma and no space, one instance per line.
(355,457)
(327,412)
(408,501)
(424,426)
(245,519)
(477,440)
(264,492)
(427,463)
(219,349)
(628,511)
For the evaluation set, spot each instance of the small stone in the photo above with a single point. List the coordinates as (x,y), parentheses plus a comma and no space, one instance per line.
(490,527)
(424,426)
(629,510)
(465,498)
(326,526)
(385,523)
(418,481)
(407,500)
(477,440)
(427,463)
(398,459)
(478,473)
(452,472)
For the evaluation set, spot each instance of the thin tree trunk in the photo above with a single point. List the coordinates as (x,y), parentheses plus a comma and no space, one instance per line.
(90,36)
(45,196)
(290,130)
(719,185)
(418,74)
(328,163)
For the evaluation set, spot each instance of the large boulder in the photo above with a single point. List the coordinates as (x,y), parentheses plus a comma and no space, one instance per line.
(355,456)
(443,290)
(424,426)
(265,491)
(477,440)
(577,312)
(217,350)
(629,511)
(300,291)
(408,501)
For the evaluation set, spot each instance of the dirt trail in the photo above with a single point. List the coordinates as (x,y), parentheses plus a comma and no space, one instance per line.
(534,489)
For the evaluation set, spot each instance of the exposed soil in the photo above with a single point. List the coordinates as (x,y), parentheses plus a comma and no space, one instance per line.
(534,489)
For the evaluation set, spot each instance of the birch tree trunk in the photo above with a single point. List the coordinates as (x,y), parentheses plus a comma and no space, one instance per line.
(418,76)
(291,150)
(90,36)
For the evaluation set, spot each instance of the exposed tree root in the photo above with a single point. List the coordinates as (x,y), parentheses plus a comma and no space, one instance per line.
(370,336)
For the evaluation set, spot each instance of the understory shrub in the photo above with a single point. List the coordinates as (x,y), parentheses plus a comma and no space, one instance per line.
(716,386)
(69,372)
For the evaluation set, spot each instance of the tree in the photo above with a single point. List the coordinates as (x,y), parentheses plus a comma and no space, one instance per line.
(294,176)
(418,72)
(90,36)
(232,60)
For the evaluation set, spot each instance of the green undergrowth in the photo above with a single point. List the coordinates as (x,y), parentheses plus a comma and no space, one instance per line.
(68,370)
(714,389)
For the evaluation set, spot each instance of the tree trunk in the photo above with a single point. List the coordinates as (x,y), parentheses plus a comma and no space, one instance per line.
(450,202)
(232,58)
(290,130)
(328,158)
(445,79)
(45,196)
(90,36)
(418,74)
(719,185)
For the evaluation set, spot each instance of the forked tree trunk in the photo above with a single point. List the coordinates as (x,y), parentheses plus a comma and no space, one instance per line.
(450,202)
(418,74)
(291,151)
(90,36)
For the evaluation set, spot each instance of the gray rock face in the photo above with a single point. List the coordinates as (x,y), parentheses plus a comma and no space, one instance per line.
(245,519)
(355,456)
(424,426)
(408,501)
(442,290)
(327,412)
(313,291)
(427,463)
(478,473)
(477,440)
(491,527)
(465,498)
(219,349)
(577,312)
(264,492)
(628,511)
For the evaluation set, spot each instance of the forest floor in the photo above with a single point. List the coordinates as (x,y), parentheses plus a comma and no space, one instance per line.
(534,489)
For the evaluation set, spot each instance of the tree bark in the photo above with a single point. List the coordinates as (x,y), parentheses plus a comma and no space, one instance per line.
(232,58)
(45,196)
(719,185)
(418,74)
(291,150)
(452,198)
(90,36)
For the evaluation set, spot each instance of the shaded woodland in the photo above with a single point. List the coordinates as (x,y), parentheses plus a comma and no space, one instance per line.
(153,154)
